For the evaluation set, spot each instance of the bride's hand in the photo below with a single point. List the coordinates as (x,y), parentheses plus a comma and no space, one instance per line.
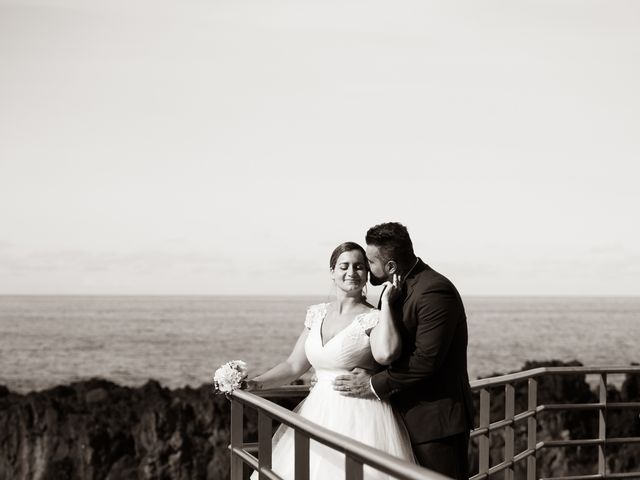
(252,385)
(392,290)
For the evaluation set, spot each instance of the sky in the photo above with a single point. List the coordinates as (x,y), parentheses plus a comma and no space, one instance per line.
(226,147)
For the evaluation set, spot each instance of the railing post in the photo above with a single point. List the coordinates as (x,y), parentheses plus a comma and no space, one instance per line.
(485,418)
(353,469)
(602,428)
(236,438)
(532,427)
(301,453)
(265,432)
(509,413)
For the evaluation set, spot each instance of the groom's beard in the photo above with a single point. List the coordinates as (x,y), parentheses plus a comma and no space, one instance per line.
(375,281)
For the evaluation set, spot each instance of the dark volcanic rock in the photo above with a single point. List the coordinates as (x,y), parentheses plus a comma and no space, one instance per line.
(99,430)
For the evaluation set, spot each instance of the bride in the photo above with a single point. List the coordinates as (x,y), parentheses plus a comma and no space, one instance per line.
(339,336)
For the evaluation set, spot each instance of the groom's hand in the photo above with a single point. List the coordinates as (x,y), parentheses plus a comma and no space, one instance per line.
(356,384)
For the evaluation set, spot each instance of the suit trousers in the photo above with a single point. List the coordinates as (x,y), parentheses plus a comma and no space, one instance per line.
(448,456)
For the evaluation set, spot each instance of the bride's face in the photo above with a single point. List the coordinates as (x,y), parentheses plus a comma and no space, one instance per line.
(350,272)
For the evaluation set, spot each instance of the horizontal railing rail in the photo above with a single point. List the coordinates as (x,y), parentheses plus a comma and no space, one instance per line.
(536,372)
(358,455)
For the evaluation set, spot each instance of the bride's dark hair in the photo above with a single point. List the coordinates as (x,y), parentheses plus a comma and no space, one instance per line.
(346,247)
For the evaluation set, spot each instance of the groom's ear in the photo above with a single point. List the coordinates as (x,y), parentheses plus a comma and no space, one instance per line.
(392,267)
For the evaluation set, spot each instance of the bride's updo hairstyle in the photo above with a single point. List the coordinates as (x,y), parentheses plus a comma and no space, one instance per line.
(346,247)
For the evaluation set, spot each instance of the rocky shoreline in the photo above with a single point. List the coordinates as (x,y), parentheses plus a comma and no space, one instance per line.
(96,429)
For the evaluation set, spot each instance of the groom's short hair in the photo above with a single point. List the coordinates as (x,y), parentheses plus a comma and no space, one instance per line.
(392,238)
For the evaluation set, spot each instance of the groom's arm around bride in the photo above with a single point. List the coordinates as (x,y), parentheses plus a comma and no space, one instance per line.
(428,383)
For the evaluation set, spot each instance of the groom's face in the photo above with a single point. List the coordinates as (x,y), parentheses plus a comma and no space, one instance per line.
(377,266)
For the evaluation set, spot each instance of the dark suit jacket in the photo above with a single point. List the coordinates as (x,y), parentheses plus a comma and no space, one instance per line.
(429,384)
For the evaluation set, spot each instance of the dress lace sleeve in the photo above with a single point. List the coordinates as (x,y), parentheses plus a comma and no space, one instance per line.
(315,313)
(367,321)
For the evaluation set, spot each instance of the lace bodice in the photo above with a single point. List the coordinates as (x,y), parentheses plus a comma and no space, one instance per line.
(348,349)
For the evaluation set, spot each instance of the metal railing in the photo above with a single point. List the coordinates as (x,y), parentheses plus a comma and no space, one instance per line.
(513,458)
(357,454)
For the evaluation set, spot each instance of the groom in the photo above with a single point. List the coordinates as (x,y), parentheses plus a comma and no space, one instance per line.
(428,383)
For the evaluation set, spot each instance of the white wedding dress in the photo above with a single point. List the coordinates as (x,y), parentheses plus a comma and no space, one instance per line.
(369,421)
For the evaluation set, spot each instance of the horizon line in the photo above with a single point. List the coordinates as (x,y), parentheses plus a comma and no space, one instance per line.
(494,295)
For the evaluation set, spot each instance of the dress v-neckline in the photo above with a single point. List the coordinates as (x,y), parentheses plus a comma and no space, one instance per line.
(323,344)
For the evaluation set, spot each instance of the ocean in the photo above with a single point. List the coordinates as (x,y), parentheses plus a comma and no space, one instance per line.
(180,340)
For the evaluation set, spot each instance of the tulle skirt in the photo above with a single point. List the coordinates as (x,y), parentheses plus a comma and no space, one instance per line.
(369,421)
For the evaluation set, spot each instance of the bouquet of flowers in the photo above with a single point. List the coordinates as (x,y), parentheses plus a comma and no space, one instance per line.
(230,376)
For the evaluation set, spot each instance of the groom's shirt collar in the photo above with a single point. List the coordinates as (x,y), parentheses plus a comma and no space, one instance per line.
(412,275)
(408,274)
